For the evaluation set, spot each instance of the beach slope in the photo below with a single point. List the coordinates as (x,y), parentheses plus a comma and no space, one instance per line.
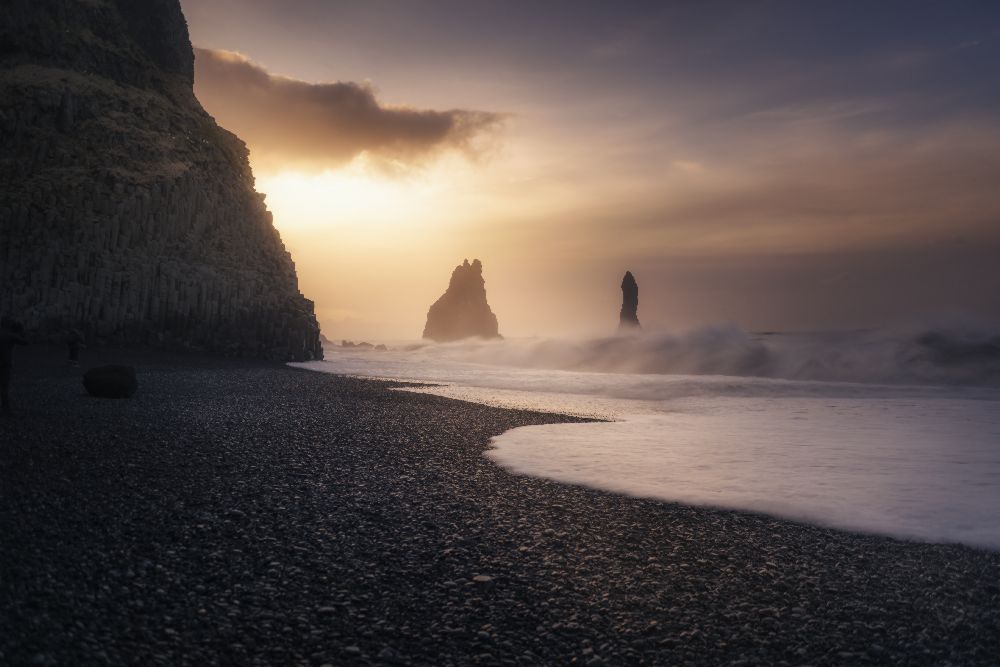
(250,513)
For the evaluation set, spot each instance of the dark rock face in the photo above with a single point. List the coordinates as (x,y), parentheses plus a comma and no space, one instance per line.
(629,317)
(111,382)
(161,32)
(125,211)
(462,311)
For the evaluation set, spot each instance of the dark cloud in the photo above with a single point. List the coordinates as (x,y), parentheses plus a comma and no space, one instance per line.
(290,122)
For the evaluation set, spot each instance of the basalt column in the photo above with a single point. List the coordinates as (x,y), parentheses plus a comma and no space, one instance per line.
(629,317)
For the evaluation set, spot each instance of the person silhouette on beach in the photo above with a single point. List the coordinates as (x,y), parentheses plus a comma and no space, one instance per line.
(11,334)
(74,343)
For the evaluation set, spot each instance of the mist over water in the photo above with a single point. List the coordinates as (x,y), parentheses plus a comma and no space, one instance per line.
(888,432)
(912,357)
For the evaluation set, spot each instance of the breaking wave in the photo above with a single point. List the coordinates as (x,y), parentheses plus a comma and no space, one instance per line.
(936,356)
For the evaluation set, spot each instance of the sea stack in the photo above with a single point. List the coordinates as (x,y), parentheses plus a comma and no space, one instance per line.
(125,211)
(629,317)
(462,311)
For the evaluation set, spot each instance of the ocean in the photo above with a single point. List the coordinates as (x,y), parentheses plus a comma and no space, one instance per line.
(892,433)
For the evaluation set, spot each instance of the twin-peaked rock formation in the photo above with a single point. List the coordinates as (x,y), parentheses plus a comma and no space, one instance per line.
(125,211)
(462,311)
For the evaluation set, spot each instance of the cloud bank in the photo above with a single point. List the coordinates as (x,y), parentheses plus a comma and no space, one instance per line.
(885,188)
(288,122)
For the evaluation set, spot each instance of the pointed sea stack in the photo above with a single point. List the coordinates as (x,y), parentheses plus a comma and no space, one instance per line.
(462,311)
(629,318)
(125,211)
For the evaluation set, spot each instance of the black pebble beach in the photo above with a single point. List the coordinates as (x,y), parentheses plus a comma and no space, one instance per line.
(243,513)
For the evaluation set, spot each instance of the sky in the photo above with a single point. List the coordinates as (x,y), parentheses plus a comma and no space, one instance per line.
(765,164)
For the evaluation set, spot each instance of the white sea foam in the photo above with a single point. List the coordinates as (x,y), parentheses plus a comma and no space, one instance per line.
(876,454)
(918,468)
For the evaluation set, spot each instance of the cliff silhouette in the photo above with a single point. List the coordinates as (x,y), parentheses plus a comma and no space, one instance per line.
(462,311)
(125,210)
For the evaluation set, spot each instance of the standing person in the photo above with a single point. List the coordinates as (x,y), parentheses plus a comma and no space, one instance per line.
(75,342)
(11,334)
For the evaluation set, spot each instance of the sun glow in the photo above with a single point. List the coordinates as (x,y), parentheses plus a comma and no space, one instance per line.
(353,197)
(398,235)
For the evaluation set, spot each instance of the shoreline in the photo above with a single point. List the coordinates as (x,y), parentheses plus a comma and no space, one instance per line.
(240,512)
(921,499)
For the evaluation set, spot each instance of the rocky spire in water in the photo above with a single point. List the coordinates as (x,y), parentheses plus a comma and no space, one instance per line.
(462,311)
(629,318)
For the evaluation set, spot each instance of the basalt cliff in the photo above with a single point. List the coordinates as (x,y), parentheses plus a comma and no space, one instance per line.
(462,311)
(125,210)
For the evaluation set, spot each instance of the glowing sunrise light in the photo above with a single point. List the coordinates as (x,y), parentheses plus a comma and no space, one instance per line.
(348,197)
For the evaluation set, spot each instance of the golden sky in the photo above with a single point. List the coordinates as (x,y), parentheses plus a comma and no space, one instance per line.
(767,165)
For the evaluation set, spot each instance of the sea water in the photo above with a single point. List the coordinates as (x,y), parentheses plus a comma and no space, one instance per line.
(867,431)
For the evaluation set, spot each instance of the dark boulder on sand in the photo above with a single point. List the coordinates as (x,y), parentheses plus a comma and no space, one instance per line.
(462,311)
(111,381)
(629,317)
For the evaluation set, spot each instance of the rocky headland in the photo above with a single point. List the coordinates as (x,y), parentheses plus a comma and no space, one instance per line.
(462,311)
(125,210)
